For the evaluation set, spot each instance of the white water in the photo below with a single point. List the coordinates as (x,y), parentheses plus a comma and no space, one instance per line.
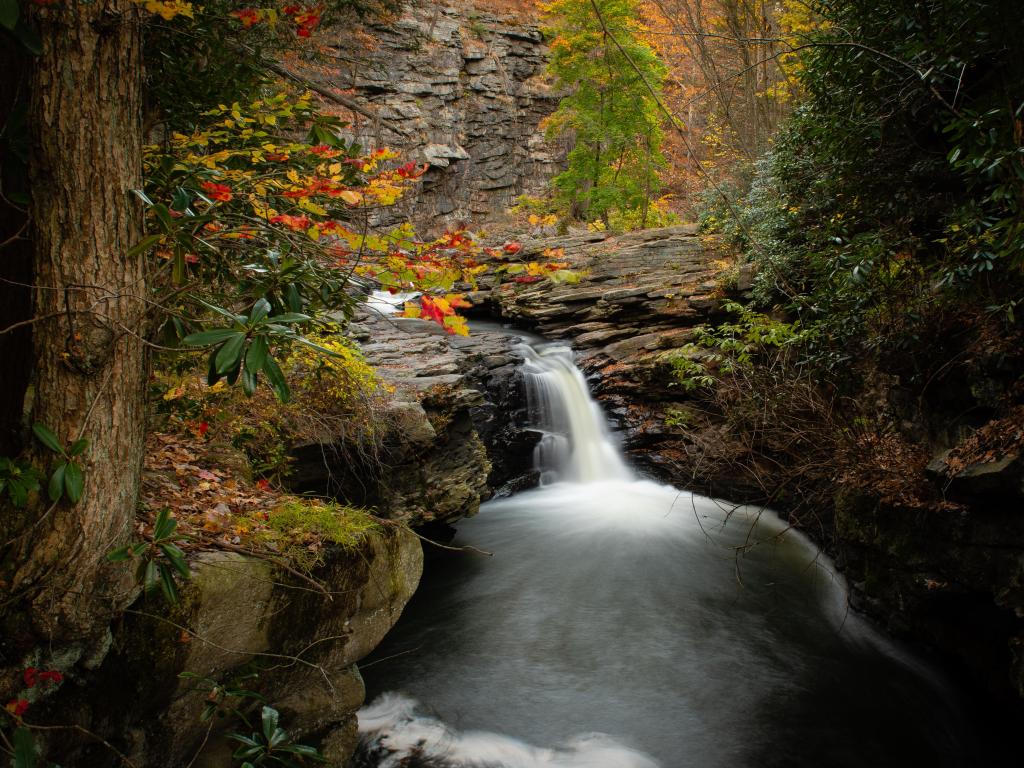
(387,303)
(576,446)
(626,624)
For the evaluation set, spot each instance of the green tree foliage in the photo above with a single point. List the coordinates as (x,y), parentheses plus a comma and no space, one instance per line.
(610,111)
(892,198)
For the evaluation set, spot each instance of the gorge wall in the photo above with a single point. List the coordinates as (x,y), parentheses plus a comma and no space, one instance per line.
(461,90)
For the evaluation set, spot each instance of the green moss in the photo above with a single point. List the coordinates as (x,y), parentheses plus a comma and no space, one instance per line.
(300,529)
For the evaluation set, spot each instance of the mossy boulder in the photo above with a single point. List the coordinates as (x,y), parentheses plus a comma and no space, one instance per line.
(241,616)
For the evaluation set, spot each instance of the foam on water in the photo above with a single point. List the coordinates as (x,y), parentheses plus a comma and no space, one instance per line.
(395,734)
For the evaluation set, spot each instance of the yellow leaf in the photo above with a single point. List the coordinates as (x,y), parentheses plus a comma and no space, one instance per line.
(174,394)
(457,324)
(314,233)
(351,197)
(308,205)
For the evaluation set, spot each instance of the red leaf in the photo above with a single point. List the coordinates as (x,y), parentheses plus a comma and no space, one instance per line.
(17,707)
(221,192)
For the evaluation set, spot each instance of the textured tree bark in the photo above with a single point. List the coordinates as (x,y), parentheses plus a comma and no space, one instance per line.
(89,363)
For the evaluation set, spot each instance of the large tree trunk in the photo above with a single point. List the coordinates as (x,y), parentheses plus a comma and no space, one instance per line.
(89,362)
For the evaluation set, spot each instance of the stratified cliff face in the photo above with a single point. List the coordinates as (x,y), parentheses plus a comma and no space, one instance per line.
(463,91)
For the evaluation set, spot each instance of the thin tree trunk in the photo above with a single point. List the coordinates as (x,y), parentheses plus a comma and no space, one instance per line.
(89,366)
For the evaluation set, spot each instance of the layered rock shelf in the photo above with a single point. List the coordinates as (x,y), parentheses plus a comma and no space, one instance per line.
(639,297)
(452,439)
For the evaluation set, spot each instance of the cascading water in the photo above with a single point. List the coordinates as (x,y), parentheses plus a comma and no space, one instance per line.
(575,445)
(625,624)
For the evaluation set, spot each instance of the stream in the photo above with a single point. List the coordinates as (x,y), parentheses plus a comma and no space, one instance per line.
(619,622)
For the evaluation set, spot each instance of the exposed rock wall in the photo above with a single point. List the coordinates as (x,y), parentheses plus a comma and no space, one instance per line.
(639,297)
(466,90)
(453,438)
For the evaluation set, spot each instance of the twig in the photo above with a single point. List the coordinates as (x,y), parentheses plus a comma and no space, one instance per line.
(280,69)
(278,561)
(439,545)
(202,746)
(235,651)
(389,658)
(86,732)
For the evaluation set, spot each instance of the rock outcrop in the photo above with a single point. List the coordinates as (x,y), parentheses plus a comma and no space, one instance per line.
(242,624)
(639,297)
(452,438)
(462,91)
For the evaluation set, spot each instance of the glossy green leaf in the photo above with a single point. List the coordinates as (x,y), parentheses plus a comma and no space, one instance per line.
(24,749)
(78,447)
(278,738)
(74,482)
(167,584)
(178,266)
(293,297)
(259,311)
(212,377)
(211,336)
(269,718)
(119,555)
(151,575)
(240,319)
(276,380)
(230,354)
(256,355)
(56,486)
(8,13)
(180,199)
(47,438)
(176,558)
(290,317)
(143,245)
(164,525)
(164,218)
(249,381)
(28,37)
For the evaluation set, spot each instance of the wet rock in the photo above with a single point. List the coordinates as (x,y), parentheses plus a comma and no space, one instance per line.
(640,296)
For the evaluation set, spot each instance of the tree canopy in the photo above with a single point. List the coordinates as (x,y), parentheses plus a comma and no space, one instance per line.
(612,79)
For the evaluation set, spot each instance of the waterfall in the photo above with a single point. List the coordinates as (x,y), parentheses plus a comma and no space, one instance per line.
(620,623)
(575,445)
